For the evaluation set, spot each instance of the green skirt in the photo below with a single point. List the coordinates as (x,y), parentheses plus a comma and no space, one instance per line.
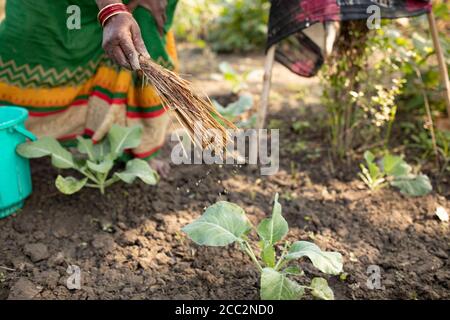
(57,69)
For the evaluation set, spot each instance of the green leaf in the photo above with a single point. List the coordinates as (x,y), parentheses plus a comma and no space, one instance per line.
(369,157)
(372,167)
(227,69)
(243,104)
(122,138)
(138,168)
(412,185)
(267,253)
(61,158)
(235,109)
(69,185)
(222,224)
(293,270)
(327,262)
(374,171)
(102,167)
(276,286)
(86,146)
(221,109)
(395,166)
(321,290)
(102,150)
(274,229)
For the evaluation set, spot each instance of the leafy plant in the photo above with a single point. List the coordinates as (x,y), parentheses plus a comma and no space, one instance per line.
(240,26)
(225,25)
(236,109)
(238,81)
(194,19)
(424,144)
(371,174)
(97,161)
(395,171)
(300,126)
(361,84)
(225,223)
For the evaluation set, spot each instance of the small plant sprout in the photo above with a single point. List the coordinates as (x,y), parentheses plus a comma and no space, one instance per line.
(371,174)
(225,223)
(237,81)
(393,170)
(97,160)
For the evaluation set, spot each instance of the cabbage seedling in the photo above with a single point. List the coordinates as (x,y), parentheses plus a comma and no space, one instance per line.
(225,223)
(393,170)
(97,161)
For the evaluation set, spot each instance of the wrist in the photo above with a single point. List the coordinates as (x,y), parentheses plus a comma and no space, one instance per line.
(103,3)
(110,11)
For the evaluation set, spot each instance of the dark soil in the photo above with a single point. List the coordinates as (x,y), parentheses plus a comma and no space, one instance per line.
(128,244)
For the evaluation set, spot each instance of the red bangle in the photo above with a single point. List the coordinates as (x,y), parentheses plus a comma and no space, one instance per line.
(110,11)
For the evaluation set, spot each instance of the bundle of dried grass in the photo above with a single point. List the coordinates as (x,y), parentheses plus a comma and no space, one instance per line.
(190,108)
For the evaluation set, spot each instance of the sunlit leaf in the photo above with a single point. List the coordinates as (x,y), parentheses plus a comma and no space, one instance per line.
(102,167)
(102,150)
(276,286)
(243,104)
(222,223)
(138,168)
(86,146)
(321,290)
(395,166)
(69,185)
(122,138)
(275,228)
(61,158)
(412,185)
(369,157)
(327,262)
(268,253)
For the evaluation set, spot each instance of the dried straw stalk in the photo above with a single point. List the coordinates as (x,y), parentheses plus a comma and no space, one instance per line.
(189,107)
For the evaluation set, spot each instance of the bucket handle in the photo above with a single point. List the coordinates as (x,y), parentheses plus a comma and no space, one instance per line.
(26,133)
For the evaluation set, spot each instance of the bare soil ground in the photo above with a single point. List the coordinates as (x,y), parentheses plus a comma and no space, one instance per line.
(128,244)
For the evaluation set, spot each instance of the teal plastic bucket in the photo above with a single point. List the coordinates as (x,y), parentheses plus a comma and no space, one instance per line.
(15,176)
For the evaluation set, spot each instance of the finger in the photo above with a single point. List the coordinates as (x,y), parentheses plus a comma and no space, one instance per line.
(130,53)
(164,11)
(132,5)
(164,18)
(160,23)
(119,57)
(138,42)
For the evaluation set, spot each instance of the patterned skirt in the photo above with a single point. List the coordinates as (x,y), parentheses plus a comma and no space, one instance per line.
(53,65)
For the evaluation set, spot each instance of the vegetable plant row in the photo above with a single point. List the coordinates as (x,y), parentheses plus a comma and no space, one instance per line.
(97,161)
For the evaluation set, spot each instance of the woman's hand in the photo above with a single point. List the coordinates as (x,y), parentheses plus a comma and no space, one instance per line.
(122,41)
(157,9)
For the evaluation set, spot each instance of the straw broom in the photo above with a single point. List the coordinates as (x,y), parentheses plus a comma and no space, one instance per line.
(189,107)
